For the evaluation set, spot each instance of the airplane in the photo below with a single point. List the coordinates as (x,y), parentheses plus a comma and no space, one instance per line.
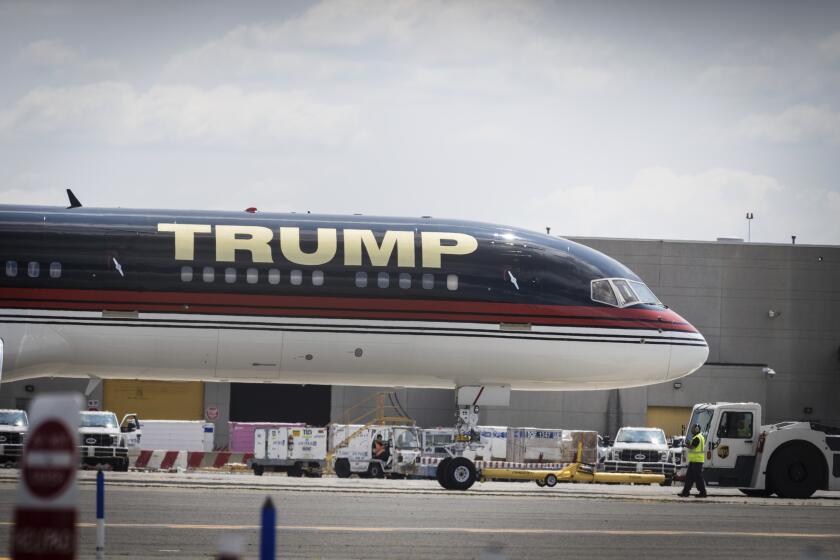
(324,299)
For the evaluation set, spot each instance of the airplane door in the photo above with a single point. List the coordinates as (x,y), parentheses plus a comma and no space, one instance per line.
(249,354)
(733,448)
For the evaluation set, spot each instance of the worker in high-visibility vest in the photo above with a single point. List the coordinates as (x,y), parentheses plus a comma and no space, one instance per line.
(696,456)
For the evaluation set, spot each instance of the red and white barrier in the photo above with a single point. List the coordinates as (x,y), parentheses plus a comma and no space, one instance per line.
(171,460)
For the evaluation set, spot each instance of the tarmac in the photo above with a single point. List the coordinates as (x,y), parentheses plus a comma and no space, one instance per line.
(185,515)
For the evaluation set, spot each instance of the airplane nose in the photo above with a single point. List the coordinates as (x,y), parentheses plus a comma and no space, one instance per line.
(687,355)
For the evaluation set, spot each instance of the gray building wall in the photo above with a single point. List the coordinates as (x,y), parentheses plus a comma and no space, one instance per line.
(726,290)
(19,394)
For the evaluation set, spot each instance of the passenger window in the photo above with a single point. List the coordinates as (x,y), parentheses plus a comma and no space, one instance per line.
(230,275)
(252,275)
(186,274)
(405,280)
(273,276)
(11,268)
(428,281)
(602,292)
(55,269)
(296,277)
(317,277)
(738,425)
(208,274)
(361,279)
(452,282)
(33,270)
(626,292)
(383,280)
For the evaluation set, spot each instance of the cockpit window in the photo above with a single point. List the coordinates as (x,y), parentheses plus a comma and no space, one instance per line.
(602,292)
(620,292)
(644,293)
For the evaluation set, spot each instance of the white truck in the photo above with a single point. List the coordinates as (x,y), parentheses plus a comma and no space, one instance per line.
(354,451)
(789,459)
(105,442)
(13,427)
(642,450)
(297,451)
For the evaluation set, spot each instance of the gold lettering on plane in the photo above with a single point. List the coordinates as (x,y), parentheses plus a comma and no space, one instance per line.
(379,255)
(184,238)
(256,240)
(324,253)
(433,247)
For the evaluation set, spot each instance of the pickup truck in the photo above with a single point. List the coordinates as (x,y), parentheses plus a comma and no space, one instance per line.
(105,442)
(642,450)
(13,427)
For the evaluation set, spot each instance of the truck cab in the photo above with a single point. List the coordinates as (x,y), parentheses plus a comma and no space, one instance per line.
(790,459)
(13,427)
(103,441)
(731,432)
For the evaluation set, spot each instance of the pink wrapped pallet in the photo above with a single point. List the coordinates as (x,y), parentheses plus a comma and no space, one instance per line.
(242,433)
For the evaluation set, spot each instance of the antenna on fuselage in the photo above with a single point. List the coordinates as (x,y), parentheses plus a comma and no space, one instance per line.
(74,202)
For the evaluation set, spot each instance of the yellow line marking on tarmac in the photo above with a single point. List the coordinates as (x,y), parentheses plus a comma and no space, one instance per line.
(465,530)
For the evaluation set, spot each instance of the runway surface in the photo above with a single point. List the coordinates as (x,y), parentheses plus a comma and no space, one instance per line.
(152,515)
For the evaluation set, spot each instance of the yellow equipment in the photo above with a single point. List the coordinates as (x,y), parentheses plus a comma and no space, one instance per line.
(575,472)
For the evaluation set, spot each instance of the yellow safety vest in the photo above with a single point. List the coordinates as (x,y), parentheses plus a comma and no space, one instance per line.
(697,454)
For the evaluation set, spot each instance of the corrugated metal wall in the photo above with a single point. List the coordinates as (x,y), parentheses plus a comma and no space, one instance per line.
(672,419)
(159,400)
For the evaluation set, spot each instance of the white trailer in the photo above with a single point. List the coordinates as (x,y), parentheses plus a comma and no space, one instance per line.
(790,459)
(355,455)
(295,451)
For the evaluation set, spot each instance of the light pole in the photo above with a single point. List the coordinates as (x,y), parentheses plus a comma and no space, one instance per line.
(749,223)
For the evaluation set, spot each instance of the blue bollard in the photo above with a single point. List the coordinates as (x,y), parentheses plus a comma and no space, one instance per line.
(268,533)
(100,515)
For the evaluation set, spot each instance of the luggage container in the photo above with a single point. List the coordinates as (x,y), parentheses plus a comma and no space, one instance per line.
(494,440)
(297,451)
(178,435)
(242,433)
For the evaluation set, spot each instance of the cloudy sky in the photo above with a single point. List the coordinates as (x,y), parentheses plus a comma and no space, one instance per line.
(630,119)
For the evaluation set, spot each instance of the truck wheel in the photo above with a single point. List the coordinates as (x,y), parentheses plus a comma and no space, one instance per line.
(796,471)
(295,471)
(441,472)
(258,469)
(756,493)
(122,466)
(460,474)
(551,480)
(342,468)
(375,470)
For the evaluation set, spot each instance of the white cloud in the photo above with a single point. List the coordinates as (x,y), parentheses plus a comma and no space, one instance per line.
(661,203)
(801,123)
(830,46)
(116,113)
(48,52)
(389,41)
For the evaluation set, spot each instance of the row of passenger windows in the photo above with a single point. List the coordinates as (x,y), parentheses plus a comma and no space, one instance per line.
(33,269)
(252,275)
(295,277)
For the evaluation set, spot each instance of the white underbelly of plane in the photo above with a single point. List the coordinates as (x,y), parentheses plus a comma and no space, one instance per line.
(339,351)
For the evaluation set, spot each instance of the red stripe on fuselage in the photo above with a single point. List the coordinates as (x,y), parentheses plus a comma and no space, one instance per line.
(341,307)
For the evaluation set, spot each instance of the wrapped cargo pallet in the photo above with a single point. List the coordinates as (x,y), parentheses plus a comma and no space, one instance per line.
(494,439)
(572,439)
(534,445)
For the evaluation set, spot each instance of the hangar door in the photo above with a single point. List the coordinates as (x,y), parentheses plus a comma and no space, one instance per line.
(672,419)
(155,400)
